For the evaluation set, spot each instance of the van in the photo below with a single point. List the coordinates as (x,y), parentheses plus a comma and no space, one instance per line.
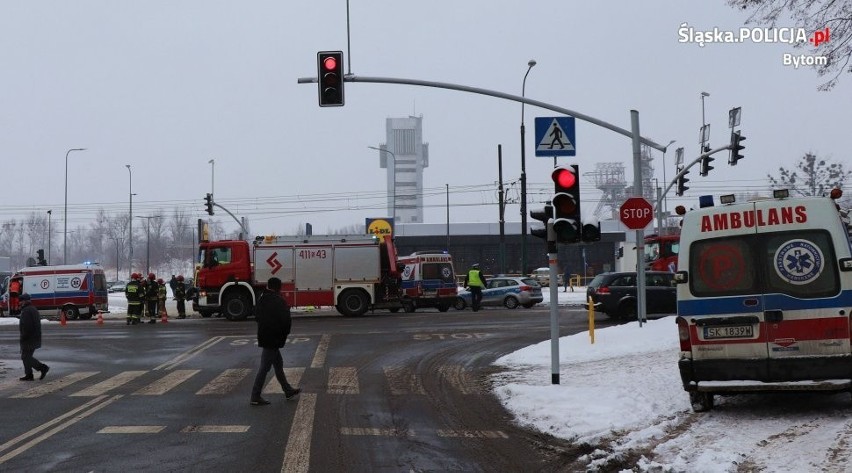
(764,297)
(542,276)
(427,280)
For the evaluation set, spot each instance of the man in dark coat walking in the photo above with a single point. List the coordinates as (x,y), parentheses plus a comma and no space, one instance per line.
(272,315)
(30,327)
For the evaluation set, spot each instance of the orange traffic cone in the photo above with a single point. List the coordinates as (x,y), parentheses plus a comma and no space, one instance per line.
(100,318)
(61,317)
(163,317)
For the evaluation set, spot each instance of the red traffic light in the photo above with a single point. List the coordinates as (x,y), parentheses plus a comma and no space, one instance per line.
(329,63)
(564,178)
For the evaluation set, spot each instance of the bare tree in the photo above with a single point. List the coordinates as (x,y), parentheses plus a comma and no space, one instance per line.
(812,176)
(812,15)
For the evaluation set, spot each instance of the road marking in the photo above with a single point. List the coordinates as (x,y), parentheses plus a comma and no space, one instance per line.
(189,354)
(488,434)
(376,432)
(322,351)
(403,381)
(51,428)
(457,377)
(225,382)
(293,375)
(343,380)
(111,383)
(132,429)
(215,429)
(297,454)
(166,383)
(57,385)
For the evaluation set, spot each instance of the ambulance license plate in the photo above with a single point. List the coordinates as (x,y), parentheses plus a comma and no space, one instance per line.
(732,331)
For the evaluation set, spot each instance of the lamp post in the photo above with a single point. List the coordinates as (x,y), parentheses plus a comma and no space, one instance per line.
(212,164)
(117,264)
(148,244)
(531,63)
(393,173)
(49,213)
(130,226)
(705,128)
(65,230)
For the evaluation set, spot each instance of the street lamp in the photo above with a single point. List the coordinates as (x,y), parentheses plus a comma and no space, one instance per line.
(393,172)
(148,244)
(65,230)
(531,63)
(130,226)
(115,240)
(212,164)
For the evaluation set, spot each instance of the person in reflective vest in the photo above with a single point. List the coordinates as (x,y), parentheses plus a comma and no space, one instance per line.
(475,283)
(134,294)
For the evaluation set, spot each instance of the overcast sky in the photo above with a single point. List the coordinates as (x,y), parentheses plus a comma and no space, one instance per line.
(167,86)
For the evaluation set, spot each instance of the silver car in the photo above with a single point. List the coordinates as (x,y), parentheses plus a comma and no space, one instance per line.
(510,292)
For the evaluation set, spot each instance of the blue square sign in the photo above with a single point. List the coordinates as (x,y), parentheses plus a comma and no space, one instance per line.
(555,136)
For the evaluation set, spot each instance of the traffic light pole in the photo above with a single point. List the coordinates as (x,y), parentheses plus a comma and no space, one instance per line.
(640,233)
(552,258)
(245,232)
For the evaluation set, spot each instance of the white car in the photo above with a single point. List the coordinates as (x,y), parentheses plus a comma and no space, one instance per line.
(542,275)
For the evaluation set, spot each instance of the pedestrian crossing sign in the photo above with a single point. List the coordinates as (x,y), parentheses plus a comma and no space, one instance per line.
(555,136)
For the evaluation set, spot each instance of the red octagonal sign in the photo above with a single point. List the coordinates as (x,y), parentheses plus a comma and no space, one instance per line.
(636,213)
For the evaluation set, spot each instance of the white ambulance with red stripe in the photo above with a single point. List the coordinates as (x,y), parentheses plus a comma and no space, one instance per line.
(764,298)
(79,290)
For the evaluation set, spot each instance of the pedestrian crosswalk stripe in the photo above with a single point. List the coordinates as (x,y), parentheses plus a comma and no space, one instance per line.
(132,429)
(104,386)
(343,380)
(294,377)
(297,454)
(225,382)
(57,385)
(215,429)
(375,431)
(166,383)
(322,350)
(489,434)
(403,381)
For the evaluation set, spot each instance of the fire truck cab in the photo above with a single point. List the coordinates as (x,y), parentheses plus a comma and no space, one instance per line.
(764,298)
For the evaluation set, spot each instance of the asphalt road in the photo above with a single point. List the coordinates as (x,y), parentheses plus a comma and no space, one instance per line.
(383,392)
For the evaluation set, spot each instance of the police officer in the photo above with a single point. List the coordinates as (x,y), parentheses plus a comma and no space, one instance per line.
(180,296)
(475,282)
(135,297)
(152,297)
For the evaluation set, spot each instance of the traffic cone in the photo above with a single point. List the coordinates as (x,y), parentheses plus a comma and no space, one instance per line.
(100,318)
(163,317)
(61,317)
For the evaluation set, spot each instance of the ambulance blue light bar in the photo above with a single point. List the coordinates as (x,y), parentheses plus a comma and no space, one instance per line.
(705,201)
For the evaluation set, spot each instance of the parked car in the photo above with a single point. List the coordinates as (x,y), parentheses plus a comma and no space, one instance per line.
(614,294)
(117,286)
(509,292)
(542,276)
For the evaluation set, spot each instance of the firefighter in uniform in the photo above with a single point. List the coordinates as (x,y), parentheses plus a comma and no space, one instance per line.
(180,296)
(161,298)
(135,297)
(152,297)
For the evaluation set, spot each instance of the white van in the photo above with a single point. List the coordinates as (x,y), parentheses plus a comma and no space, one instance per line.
(764,298)
(542,276)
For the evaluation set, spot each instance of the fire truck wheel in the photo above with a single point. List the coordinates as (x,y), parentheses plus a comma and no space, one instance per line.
(237,305)
(408,306)
(352,303)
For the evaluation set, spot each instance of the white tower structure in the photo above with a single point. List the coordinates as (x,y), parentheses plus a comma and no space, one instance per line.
(405,155)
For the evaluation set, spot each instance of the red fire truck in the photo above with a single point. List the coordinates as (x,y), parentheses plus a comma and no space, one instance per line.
(353,273)
(661,252)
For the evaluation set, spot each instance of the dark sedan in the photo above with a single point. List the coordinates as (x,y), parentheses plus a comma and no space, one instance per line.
(614,294)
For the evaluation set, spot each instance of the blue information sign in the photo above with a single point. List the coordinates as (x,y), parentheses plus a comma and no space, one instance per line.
(555,136)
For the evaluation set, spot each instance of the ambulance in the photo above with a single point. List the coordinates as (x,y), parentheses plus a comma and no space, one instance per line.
(428,280)
(79,290)
(764,297)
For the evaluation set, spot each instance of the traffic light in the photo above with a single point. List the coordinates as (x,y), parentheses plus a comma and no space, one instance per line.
(681,183)
(592,232)
(208,199)
(41,260)
(544,215)
(705,165)
(736,147)
(330,78)
(566,204)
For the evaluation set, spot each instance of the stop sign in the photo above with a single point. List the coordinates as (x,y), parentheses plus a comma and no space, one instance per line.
(636,213)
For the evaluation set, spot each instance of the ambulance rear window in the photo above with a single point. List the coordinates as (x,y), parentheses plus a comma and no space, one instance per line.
(799,263)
